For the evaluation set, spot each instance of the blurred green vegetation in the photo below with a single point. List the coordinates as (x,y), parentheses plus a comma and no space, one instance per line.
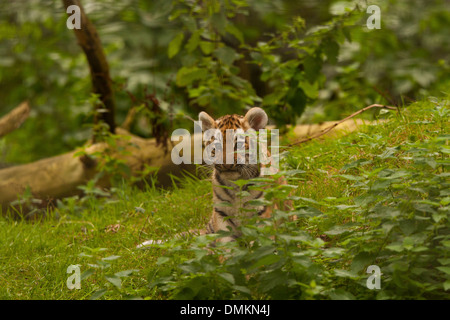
(379,196)
(301,60)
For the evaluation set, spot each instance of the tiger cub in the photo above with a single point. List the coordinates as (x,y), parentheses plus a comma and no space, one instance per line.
(224,190)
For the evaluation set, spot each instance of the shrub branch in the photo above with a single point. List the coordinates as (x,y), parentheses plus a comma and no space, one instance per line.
(328,129)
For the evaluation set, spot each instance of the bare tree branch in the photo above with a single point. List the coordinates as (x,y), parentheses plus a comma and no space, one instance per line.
(89,41)
(14,119)
(59,176)
(328,129)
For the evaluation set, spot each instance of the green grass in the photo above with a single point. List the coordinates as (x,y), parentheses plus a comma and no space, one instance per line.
(355,196)
(35,255)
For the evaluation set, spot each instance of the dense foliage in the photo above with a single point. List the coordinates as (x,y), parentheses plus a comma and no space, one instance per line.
(219,56)
(376,197)
(393,213)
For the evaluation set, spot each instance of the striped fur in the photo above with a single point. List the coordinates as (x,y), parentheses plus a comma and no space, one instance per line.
(230,207)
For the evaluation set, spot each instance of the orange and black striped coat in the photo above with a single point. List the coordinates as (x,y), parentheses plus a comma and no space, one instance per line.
(230,201)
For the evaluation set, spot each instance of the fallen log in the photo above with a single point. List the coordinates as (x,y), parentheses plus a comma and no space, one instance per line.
(346,121)
(60,176)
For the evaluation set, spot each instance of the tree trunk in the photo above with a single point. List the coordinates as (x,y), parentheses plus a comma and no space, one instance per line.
(60,176)
(89,41)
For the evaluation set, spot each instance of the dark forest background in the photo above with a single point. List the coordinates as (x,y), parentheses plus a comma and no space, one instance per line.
(303,61)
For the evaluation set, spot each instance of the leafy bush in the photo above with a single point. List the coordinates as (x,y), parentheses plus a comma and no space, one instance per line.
(402,62)
(217,54)
(394,213)
(287,55)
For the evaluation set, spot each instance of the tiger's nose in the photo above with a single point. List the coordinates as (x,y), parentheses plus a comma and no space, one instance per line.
(226,166)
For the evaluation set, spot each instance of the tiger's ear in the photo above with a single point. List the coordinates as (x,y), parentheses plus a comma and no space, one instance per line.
(206,121)
(256,118)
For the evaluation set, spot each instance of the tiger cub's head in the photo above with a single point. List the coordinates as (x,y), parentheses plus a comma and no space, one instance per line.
(231,161)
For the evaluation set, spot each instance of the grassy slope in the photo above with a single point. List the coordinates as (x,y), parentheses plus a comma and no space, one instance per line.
(34,256)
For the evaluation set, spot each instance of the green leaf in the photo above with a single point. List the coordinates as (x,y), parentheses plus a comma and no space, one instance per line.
(115,281)
(262,252)
(219,21)
(272,279)
(407,226)
(125,273)
(293,172)
(308,212)
(345,274)
(444,269)
(186,75)
(207,47)
(336,230)
(86,274)
(223,204)
(162,260)
(265,261)
(402,266)
(312,66)
(227,276)
(231,29)
(309,200)
(333,252)
(242,289)
(98,294)
(177,13)
(347,33)
(299,238)
(341,294)
(175,45)
(388,153)
(445,201)
(185,294)
(95,250)
(419,249)
(331,50)
(311,90)
(242,194)
(274,97)
(431,162)
(350,177)
(395,247)
(438,216)
(444,261)
(193,41)
(424,207)
(361,260)
(258,202)
(357,163)
(408,243)
(226,54)
(446,285)
(345,207)
(111,258)
(296,97)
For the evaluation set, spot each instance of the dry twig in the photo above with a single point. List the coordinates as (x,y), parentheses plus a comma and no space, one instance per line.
(328,129)
(14,119)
